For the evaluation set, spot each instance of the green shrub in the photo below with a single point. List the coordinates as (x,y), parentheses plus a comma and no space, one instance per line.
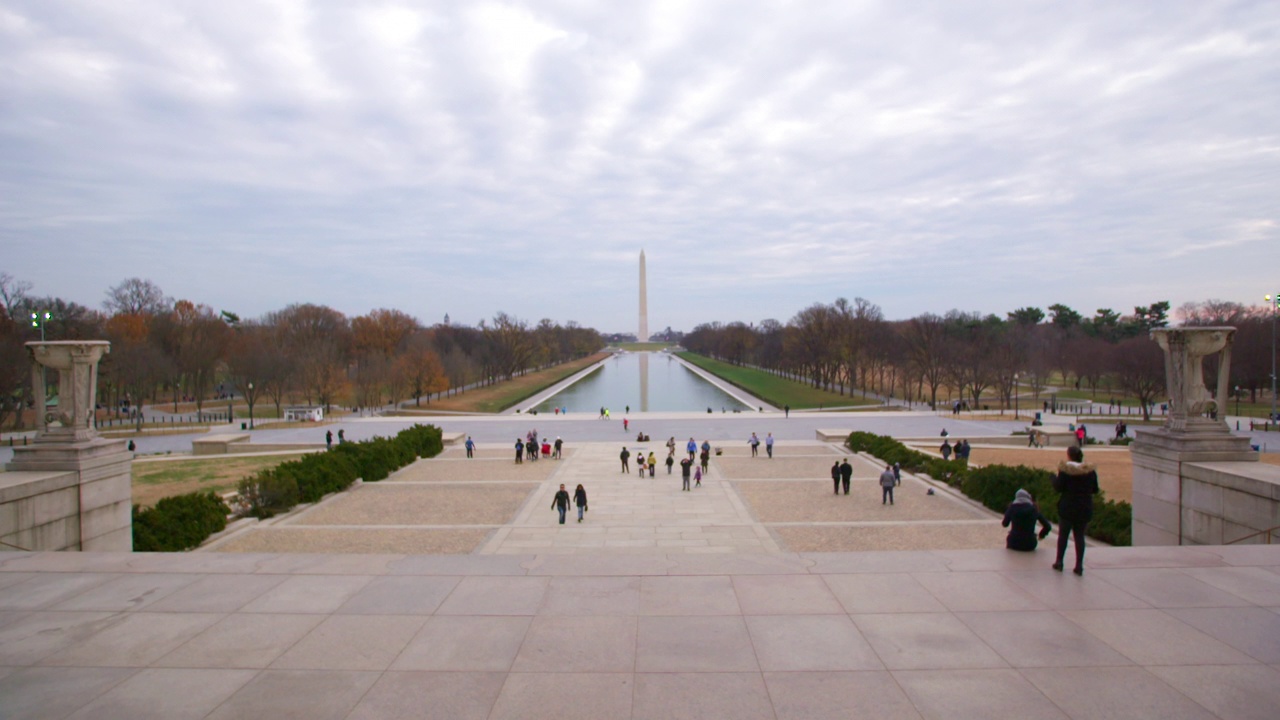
(995,485)
(269,492)
(178,523)
(310,478)
(1120,441)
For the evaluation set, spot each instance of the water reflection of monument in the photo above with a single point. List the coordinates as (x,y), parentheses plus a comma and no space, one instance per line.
(644,382)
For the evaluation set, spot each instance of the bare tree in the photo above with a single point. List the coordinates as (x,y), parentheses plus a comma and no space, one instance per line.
(1139,367)
(136,296)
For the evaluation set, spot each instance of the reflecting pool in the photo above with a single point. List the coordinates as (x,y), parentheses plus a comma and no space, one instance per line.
(646,382)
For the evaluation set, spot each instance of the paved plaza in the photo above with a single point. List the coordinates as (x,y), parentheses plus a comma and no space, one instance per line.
(745,505)
(1147,633)
(450,591)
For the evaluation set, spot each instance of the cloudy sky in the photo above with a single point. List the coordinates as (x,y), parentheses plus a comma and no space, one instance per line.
(476,157)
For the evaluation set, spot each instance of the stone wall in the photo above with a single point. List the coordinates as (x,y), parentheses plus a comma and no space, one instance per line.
(1198,495)
(75,497)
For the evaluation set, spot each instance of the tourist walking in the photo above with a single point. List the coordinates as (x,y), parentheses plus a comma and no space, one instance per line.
(897,473)
(754,442)
(768,445)
(561,503)
(625,455)
(671,445)
(625,424)
(706,459)
(835,476)
(671,460)
(697,477)
(328,439)
(945,449)
(846,474)
(886,485)
(653,463)
(692,447)
(519,451)
(1021,517)
(342,436)
(555,453)
(580,499)
(685,466)
(1077,481)
(641,464)
(786,409)
(471,447)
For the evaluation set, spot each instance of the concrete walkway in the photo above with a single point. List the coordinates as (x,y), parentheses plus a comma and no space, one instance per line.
(745,505)
(1156,633)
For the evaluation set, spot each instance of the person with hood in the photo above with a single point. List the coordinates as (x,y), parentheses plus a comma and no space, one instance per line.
(945,449)
(580,499)
(1022,514)
(1077,481)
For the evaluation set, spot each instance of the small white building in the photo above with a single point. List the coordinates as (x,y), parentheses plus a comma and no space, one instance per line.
(304,414)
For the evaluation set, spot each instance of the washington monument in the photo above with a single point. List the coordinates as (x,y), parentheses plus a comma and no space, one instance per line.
(643,334)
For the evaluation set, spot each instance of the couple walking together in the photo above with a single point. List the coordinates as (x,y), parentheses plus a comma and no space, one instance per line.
(561,502)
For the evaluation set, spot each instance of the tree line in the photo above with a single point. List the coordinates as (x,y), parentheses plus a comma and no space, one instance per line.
(846,347)
(165,350)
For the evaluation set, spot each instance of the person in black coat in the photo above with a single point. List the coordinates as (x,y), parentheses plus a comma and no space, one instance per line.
(846,473)
(1023,515)
(835,475)
(1077,481)
(580,499)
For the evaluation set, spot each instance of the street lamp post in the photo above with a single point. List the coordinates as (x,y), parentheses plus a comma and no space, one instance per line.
(249,397)
(1237,402)
(39,320)
(1015,396)
(1274,302)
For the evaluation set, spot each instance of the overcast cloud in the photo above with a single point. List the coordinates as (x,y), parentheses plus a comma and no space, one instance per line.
(475,157)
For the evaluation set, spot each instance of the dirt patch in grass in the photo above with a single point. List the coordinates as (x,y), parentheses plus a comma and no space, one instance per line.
(804,502)
(409,541)
(1115,467)
(156,479)
(387,504)
(892,537)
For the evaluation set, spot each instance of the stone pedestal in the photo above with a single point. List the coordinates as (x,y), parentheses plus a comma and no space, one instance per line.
(71,489)
(1194,483)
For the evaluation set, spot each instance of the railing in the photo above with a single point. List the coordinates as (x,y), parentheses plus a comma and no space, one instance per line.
(1269,533)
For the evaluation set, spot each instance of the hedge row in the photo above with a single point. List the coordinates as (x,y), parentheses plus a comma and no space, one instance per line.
(178,523)
(994,486)
(310,478)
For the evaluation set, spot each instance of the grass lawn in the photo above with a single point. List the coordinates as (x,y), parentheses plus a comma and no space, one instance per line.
(161,478)
(775,390)
(499,397)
